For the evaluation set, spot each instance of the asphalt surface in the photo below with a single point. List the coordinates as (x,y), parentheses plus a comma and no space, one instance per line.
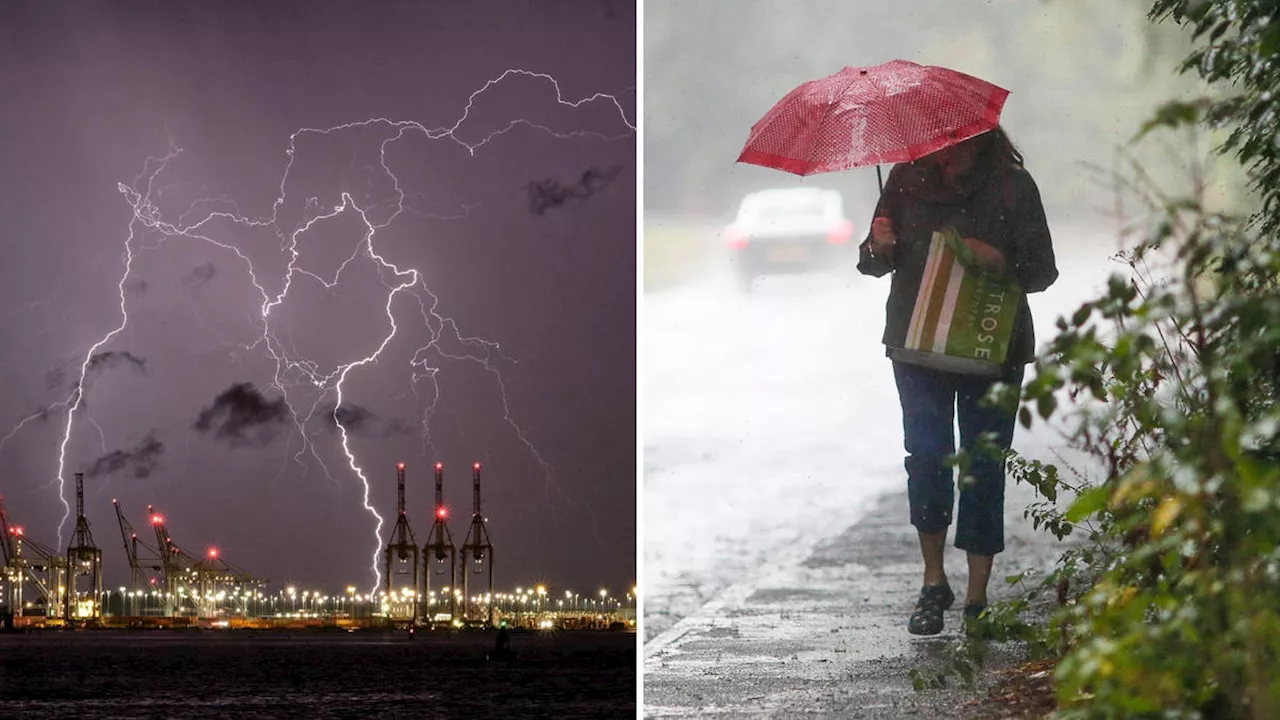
(762,419)
(826,636)
(779,563)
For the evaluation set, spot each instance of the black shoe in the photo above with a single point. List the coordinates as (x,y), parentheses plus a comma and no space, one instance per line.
(927,618)
(974,624)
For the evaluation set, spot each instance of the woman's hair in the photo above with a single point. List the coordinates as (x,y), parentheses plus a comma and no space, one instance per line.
(996,147)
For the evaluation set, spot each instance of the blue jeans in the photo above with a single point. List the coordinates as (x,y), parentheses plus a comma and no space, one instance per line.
(932,401)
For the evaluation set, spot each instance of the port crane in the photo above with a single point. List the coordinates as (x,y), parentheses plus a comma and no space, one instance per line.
(438,554)
(477,548)
(84,559)
(145,568)
(401,559)
(209,581)
(26,560)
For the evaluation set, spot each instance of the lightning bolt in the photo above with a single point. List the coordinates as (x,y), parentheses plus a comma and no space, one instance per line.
(290,369)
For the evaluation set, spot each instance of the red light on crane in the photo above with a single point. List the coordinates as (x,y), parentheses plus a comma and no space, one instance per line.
(441,512)
(439,466)
(157,519)
(400,466)
(213,552)
(477,466)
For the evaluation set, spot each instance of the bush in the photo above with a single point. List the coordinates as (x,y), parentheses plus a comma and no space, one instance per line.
(1181,361)
(1173,377)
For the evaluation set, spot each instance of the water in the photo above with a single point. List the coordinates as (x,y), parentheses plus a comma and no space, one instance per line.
(111,674)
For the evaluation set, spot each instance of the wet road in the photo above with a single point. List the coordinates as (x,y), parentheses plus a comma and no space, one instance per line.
(767,419)
(771,422)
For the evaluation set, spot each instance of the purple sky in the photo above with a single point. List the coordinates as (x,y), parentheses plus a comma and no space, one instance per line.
(95,89)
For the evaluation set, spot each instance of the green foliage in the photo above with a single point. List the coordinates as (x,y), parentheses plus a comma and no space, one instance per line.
(1171,379)
(1240,42)
(1175,376)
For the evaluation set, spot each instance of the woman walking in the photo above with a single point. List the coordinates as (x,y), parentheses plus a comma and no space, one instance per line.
(980,187)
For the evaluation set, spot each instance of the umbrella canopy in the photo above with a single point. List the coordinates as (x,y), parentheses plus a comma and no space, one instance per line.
(895,112)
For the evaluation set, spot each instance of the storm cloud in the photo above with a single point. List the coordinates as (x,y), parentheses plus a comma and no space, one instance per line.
(550,193)
(241,415)
(359,420)
(113,358)
(142,458)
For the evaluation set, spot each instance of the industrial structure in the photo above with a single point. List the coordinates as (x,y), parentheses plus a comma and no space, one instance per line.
(170,587)
(400,598)
(84,559)
(438,555)
(206,583)
(27,561)
(138,572)
(479,550)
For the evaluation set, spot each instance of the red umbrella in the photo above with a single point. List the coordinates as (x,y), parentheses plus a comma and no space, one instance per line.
(890,113)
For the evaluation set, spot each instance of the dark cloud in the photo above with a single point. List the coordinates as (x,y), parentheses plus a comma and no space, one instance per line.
(550,193)
(353,417)
(111,358)
(142,458)
(359,420)
(241,415)
(199,275)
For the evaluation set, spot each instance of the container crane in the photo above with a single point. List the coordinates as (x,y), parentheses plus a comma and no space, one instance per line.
(478,548)
(137,568)
(47,570)
(440,553)
(401,558)
(84,559)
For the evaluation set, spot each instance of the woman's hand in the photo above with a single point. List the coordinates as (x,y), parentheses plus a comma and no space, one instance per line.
(883,239)
(988,257)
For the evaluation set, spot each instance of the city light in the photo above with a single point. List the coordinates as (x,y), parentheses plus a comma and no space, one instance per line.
(214,599)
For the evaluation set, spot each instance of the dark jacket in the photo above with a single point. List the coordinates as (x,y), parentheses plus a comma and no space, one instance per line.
(999,206)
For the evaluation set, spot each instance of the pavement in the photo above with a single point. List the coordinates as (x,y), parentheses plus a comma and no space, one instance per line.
(823,633)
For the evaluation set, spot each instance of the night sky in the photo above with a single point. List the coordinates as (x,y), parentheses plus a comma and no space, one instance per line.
(165,127)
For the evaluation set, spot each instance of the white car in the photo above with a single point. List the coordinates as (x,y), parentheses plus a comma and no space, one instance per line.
(787,231)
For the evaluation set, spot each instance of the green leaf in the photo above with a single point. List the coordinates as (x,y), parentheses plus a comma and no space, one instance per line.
(1270,41)
(1174,114)
(917,680)
(1024,417)
(1082,314)
(1088,503)
(1046,404)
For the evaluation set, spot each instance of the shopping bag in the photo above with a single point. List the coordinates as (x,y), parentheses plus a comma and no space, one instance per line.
(963,317)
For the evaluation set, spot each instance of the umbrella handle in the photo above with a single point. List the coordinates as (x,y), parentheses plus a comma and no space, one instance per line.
(880,179)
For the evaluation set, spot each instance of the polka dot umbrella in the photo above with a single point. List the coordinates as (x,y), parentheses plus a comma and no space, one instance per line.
(891,113)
